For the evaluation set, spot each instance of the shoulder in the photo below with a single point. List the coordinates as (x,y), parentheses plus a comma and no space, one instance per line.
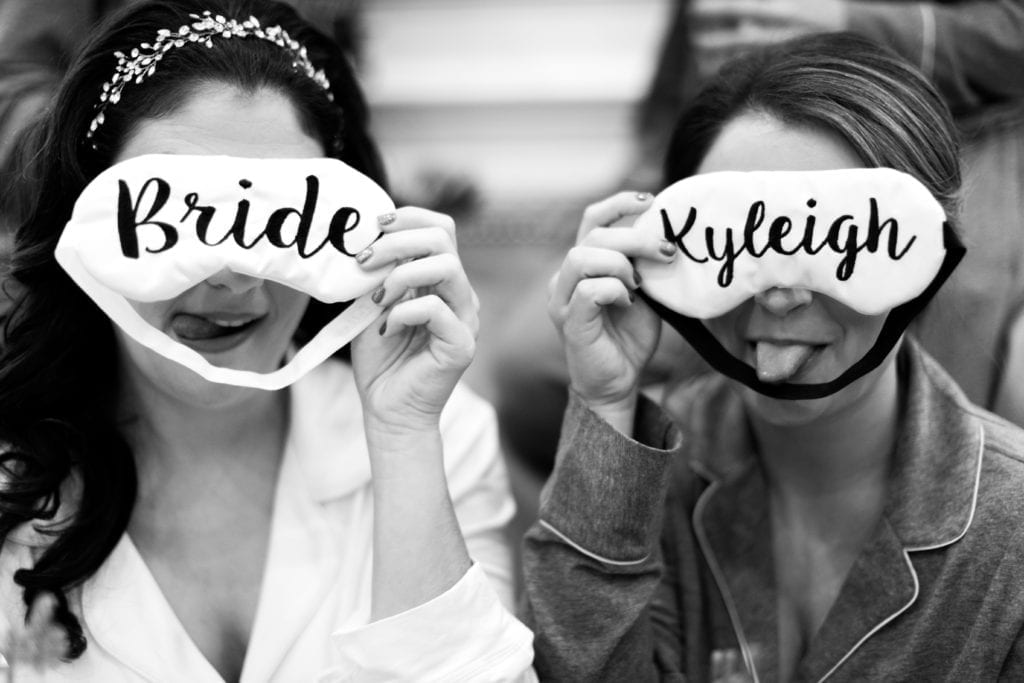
(1001,476)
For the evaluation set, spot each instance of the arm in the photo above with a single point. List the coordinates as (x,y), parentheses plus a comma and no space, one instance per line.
(593,569)
(973,51)
(434,614)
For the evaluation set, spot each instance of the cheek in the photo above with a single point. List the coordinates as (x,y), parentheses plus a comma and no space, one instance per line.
(153,312)
(290,304)
(729,328)
(860,332)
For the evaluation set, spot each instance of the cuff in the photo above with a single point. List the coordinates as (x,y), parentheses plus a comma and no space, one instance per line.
(606,496)
(464,634)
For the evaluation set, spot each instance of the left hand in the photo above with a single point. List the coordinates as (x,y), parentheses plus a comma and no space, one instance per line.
(723,29)
(407,364)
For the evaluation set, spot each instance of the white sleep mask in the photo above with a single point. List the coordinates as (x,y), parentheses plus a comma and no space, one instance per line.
(874,239)
(149,228)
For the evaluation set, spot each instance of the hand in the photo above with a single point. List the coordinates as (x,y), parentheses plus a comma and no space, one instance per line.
(608,334)
(40,642)
(407,364)
(723,29)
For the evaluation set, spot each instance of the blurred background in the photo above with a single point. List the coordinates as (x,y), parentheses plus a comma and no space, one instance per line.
(512,114)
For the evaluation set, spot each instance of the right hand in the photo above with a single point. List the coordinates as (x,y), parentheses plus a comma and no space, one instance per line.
(608,334)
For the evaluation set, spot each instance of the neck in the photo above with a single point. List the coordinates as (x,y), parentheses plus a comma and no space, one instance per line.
(172,439)
(838,457)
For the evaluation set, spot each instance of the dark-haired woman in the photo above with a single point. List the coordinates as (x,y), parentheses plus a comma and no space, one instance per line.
(730,534)
(157,526)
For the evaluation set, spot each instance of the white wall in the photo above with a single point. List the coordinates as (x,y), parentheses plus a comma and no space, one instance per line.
(532,98)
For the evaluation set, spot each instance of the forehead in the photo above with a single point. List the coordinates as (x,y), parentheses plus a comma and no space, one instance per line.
(759,142)
(222,119)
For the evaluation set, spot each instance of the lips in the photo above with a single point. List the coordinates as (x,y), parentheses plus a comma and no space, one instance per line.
(214,331)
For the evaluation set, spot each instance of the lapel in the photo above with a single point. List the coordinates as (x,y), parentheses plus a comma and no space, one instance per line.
(128,617)
(325,460)
(930,504)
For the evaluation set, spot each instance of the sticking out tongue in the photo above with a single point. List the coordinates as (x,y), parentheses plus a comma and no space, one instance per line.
(194,327)
(779,362)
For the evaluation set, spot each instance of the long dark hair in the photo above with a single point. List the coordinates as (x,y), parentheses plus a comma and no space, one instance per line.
(58,359)
(882,106)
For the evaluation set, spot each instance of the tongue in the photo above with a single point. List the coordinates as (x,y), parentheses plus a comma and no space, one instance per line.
(194,327)
(779,362)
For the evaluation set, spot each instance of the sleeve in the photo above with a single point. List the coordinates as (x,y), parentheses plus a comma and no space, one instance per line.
(467,633)
(972,51)
(592,564)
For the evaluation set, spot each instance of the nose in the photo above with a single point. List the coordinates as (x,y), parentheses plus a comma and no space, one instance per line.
(781,301)
(236,283)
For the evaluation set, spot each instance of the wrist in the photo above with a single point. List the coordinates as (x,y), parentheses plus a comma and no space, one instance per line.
(619,412)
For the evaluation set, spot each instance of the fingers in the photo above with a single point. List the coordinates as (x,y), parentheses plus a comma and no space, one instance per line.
(421,247)
(584,265)
(413,218)
(611,210)
(442,274)
(457,341)
(591,296)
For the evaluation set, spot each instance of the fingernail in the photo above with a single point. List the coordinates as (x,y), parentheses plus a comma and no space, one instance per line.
(377,297)
(632,297)
(387,218)
(667,248)
(383,328)
(643,196)
(636,277)
(364,255)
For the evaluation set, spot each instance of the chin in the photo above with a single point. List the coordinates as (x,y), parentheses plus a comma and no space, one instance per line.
(784,413)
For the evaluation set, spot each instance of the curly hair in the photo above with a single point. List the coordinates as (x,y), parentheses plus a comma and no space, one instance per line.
(58,359)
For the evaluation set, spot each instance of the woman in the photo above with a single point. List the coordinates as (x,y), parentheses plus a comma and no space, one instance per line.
(872,533)
(177,529)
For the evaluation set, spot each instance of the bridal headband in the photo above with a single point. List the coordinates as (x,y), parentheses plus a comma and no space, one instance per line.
(149,228)
(142,61)
(875,240)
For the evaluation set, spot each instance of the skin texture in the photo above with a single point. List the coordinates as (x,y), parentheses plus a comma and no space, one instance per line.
(208,454)
(841,336)
(825,461)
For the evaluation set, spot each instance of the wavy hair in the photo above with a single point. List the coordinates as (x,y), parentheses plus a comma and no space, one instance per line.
(58,359)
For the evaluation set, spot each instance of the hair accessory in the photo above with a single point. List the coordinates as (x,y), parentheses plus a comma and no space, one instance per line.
(141,62)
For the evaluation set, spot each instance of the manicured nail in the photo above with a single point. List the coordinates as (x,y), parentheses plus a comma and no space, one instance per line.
(643,196)
(387,218)
(378,295)
(364,255)
(667,248)
(632,297)
(383,328)
(636,277)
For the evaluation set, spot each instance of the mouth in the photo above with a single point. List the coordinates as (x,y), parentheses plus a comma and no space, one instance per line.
(214,332)
(778,361)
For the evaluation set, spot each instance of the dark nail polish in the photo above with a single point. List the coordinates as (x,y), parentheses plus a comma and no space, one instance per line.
(383,328)
(378,295)
(636,278)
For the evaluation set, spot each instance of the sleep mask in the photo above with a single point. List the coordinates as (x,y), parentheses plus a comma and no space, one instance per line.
(150,228)
(873,239)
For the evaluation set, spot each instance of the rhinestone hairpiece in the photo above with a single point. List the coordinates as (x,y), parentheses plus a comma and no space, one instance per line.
(141,63)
